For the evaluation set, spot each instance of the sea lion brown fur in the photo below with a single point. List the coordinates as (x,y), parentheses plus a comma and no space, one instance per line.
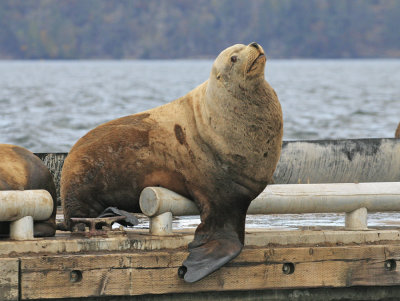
(218,145)
(397,134)
(22,170)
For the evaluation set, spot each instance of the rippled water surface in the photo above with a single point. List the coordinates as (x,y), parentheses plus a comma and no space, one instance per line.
(47,106)
(290,221)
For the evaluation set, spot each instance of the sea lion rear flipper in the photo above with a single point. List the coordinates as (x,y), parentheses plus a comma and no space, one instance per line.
(44,229)
(62,226)
(209,257)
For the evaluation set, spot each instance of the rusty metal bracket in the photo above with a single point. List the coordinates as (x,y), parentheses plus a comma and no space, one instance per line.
(99,226)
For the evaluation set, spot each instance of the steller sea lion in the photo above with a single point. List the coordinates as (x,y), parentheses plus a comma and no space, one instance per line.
(22,170)
(397,134)
(218,146)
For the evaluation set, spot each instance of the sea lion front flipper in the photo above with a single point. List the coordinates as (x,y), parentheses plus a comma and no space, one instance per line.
(130,219)
(220,236)
(209,257)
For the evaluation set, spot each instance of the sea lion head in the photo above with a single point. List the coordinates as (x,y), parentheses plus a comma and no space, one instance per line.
(238,68)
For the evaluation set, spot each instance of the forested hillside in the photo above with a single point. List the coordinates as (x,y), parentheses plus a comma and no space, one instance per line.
(98,29)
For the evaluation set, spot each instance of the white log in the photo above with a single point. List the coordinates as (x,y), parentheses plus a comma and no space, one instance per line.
(16,204)
(290,199)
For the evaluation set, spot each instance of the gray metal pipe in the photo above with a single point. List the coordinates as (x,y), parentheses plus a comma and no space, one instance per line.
(16,204)
(290,198)
(158,200)
(327,198)
(22,229)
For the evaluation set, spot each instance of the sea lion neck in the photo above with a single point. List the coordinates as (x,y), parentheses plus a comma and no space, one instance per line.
(221,113)
(251,98)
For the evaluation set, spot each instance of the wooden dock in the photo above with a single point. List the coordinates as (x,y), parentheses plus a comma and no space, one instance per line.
(134,263)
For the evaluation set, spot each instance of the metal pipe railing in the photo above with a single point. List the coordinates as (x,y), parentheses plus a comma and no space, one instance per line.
(355,199)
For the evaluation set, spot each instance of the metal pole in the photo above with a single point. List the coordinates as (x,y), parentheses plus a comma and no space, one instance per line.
(22,229)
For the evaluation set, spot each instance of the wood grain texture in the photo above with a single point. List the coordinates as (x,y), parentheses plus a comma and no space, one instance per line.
(155,272)
(9,279)
(54,162)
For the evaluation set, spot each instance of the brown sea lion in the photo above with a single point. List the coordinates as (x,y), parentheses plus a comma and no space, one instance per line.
(218,145)
(22,170)
(397,134)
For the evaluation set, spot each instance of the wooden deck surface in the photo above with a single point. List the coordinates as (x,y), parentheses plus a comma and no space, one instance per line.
(136,263)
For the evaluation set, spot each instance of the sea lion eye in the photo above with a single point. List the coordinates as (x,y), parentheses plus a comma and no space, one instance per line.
(233,59)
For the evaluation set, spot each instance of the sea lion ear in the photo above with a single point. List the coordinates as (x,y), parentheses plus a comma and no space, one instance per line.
(218,75)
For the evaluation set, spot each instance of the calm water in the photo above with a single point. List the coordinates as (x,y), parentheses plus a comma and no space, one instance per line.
(47,106)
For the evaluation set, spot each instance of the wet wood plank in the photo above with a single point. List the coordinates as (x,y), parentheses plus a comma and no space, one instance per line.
(155,272)
(9,279)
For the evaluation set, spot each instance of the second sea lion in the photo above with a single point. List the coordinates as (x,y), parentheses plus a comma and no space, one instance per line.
(22,170)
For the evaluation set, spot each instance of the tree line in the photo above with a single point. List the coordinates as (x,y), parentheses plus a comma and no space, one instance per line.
(160,29)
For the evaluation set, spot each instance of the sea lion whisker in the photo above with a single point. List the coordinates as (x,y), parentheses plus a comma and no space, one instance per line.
(254,62)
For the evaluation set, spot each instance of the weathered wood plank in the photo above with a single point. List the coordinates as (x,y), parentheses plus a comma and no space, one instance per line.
(54,162)
(339,161)
(141,240)
(9,268)
(155,272)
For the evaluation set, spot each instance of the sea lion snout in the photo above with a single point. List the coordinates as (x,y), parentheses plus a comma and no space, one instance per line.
(256,57)
(257,47)
(254,44)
